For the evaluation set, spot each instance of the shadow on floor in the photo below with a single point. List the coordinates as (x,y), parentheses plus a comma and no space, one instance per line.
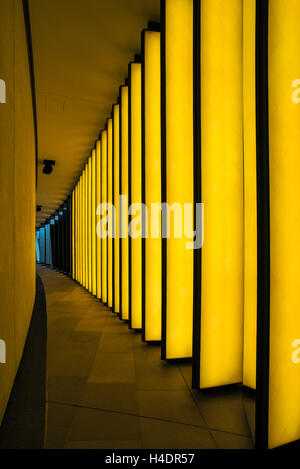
(23,426)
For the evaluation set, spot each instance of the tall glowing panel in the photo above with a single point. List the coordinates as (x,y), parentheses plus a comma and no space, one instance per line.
(83,229)
(221,53)
(152,180)
(135,195)
(110,212)
(79,243)
(73,235)
(284,174)
(81,222)
(116,202)
(98,227)
(90,222)
(178,155)
(104,217)
(76,232)
(124,207)
(93,224)
(86,231)
(80,230)
(82,239)
(250,195)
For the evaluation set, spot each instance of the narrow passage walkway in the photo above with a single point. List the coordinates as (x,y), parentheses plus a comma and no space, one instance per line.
(107,389)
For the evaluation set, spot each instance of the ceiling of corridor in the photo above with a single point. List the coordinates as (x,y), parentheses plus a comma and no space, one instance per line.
(81,52)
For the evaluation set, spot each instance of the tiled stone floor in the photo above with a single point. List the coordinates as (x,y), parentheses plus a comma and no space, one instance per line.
(107,389)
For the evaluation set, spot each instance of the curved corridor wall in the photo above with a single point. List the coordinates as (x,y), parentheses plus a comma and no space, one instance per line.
(17,194)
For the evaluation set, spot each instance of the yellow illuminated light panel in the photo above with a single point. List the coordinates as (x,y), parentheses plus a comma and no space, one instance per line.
(86,244)
(136,193)
(82,257)
(90,221)
(74,214)
(250,198)
(76,233)
(124,208)
(93,223)
(84,227)
(104,216)
(81,222)
(110,215)
(77,230)
(116,136)
(222,193)
(179,172)
(153,275)
(284,135)
(80,231)
(73,234)
(98,202)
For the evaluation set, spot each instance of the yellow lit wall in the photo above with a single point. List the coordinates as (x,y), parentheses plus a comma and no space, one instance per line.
(124,208)
(110,200)
(116,136)
(152,116)
(98,202)
(250,197)
(221,353)
(17,195)
(179,170)
(284,132)
(136,191)
(93,224)
(104,201)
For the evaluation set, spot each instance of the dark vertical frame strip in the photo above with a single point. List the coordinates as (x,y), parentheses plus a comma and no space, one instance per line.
(263,226)
(197,193)
(32,78)
(163,176)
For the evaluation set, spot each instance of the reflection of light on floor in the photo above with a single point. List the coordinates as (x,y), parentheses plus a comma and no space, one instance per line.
(2,92)
(249,406)
(2,351)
